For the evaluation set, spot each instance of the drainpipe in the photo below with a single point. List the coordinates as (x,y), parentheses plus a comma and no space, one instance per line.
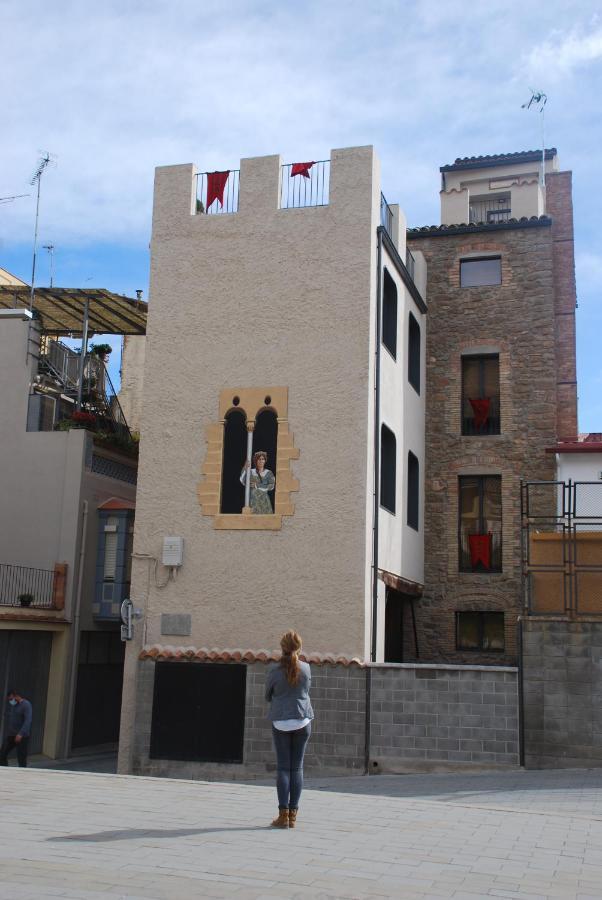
(376,451)
(368,695)
(75,631)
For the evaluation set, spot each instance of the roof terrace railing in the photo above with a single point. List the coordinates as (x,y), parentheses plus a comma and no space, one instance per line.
(410,263)
(386,216)
(229,196)
(312,189)
(489,211)
(23,586)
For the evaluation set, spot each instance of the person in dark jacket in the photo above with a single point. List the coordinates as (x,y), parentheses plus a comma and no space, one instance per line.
(287,691)
(18,728)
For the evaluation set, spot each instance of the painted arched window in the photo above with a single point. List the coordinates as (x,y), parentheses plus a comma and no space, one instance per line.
(234,455)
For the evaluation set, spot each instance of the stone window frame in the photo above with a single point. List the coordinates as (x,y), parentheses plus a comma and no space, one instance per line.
(479,346)
(251,401)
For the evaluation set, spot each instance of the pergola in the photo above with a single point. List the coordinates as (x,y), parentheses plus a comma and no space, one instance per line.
(78,312)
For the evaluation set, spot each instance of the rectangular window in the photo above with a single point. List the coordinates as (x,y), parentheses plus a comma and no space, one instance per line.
(480,631)
(480,523)
(111,536)
(389,323)
(484,270)
(413,490)
(481,394)
(414,354)
(388,452)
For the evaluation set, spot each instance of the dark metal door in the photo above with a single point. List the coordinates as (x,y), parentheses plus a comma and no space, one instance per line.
(25,667)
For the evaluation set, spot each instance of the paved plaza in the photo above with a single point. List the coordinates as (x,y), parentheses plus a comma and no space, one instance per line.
(97,836)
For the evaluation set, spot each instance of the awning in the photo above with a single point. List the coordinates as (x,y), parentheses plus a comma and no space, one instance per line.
(61,310)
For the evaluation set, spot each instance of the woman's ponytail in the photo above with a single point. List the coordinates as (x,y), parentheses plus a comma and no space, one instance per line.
(290,644)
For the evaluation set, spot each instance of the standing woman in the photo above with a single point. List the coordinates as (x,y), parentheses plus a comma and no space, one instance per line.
(287,691)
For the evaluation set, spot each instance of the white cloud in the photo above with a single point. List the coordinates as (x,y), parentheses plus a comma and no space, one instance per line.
(559,54)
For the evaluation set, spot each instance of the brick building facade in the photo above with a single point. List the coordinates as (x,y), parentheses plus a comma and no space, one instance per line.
(521,333)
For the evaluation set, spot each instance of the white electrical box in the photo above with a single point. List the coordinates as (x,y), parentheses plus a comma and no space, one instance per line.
(173,551)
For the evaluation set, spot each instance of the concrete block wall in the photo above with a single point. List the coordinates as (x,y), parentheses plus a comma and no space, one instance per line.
(562,689)
(421,717)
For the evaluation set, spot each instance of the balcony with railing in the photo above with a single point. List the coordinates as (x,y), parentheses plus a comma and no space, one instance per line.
(481,552)
(480,421)
(25,587)
(490,211)
(305,184)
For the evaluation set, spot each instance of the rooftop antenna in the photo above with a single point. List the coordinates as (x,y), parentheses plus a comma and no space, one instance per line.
(10,199)
(50,248)
(538,101)
(37,179)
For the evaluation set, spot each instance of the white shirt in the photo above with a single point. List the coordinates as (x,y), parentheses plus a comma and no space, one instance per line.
(290,724)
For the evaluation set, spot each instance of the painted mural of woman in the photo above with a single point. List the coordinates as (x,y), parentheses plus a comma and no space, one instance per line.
(261,482)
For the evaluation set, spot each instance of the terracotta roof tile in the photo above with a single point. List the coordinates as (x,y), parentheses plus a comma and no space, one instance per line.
(497,159)
(467,228)
(204,654)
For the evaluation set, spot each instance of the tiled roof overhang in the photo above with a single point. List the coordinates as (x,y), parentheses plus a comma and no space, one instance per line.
(482,227)
(160,652)
(61,310)
(497,159)
(577,447)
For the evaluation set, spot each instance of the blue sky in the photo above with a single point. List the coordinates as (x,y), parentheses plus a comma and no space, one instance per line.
(117,88)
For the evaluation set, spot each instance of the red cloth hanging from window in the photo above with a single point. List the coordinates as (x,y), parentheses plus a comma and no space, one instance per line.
(480,549)
(216,182)
(480,408)
(302,169)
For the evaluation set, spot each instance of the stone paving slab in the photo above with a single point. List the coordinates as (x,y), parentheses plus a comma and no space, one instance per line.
(98,836)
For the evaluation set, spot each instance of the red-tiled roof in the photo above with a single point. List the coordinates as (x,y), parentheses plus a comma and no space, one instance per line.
(464,228)
(204,654)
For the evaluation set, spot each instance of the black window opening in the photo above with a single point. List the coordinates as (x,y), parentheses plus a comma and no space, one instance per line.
(481,394)
(234,456)
(480,523)
(414,354)
(389,323)
(388,452)
(480,631)
(413,490)
(394,626)
(265,437)
(480,272)
(198,712)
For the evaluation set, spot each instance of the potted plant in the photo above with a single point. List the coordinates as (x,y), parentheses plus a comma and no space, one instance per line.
(102,350)
(26,599)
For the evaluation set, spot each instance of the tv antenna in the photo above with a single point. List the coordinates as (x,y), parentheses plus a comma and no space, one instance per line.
(538,101)
(50,248)
(10,199)
(44,161)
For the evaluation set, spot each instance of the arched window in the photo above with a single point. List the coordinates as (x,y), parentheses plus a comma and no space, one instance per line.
(388,453)
(234,455)
(389,323)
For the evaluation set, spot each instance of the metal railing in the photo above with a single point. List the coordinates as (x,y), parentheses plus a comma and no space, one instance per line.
(229,202)
(297,191)
(562,547)
(386,216)
(62,362)
(489,211)
(410,263)
(99,397)
(25,587)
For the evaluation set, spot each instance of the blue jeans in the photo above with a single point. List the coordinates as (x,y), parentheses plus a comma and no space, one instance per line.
(290,749)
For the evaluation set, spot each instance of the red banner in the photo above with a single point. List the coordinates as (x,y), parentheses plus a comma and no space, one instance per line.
(302,169)
(216,182)
(480,409)
(480,549)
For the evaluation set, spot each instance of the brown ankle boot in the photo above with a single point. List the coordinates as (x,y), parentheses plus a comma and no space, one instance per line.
(292,817)
(282,819)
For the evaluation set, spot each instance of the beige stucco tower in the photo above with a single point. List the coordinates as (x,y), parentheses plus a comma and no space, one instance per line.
(275,310)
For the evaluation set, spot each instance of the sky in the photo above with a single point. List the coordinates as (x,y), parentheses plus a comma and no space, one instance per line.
(114,89)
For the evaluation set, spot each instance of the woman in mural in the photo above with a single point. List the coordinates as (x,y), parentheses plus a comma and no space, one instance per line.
(262,481)
(287,691)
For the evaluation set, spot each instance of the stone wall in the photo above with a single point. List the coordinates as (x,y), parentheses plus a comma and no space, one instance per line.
(516,320)
(421,717)
(562,689)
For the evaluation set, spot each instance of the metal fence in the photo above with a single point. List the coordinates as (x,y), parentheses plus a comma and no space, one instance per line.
(22,586)
(298,191)
(386,216)
(229,202)
(410,263)
(562,547)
